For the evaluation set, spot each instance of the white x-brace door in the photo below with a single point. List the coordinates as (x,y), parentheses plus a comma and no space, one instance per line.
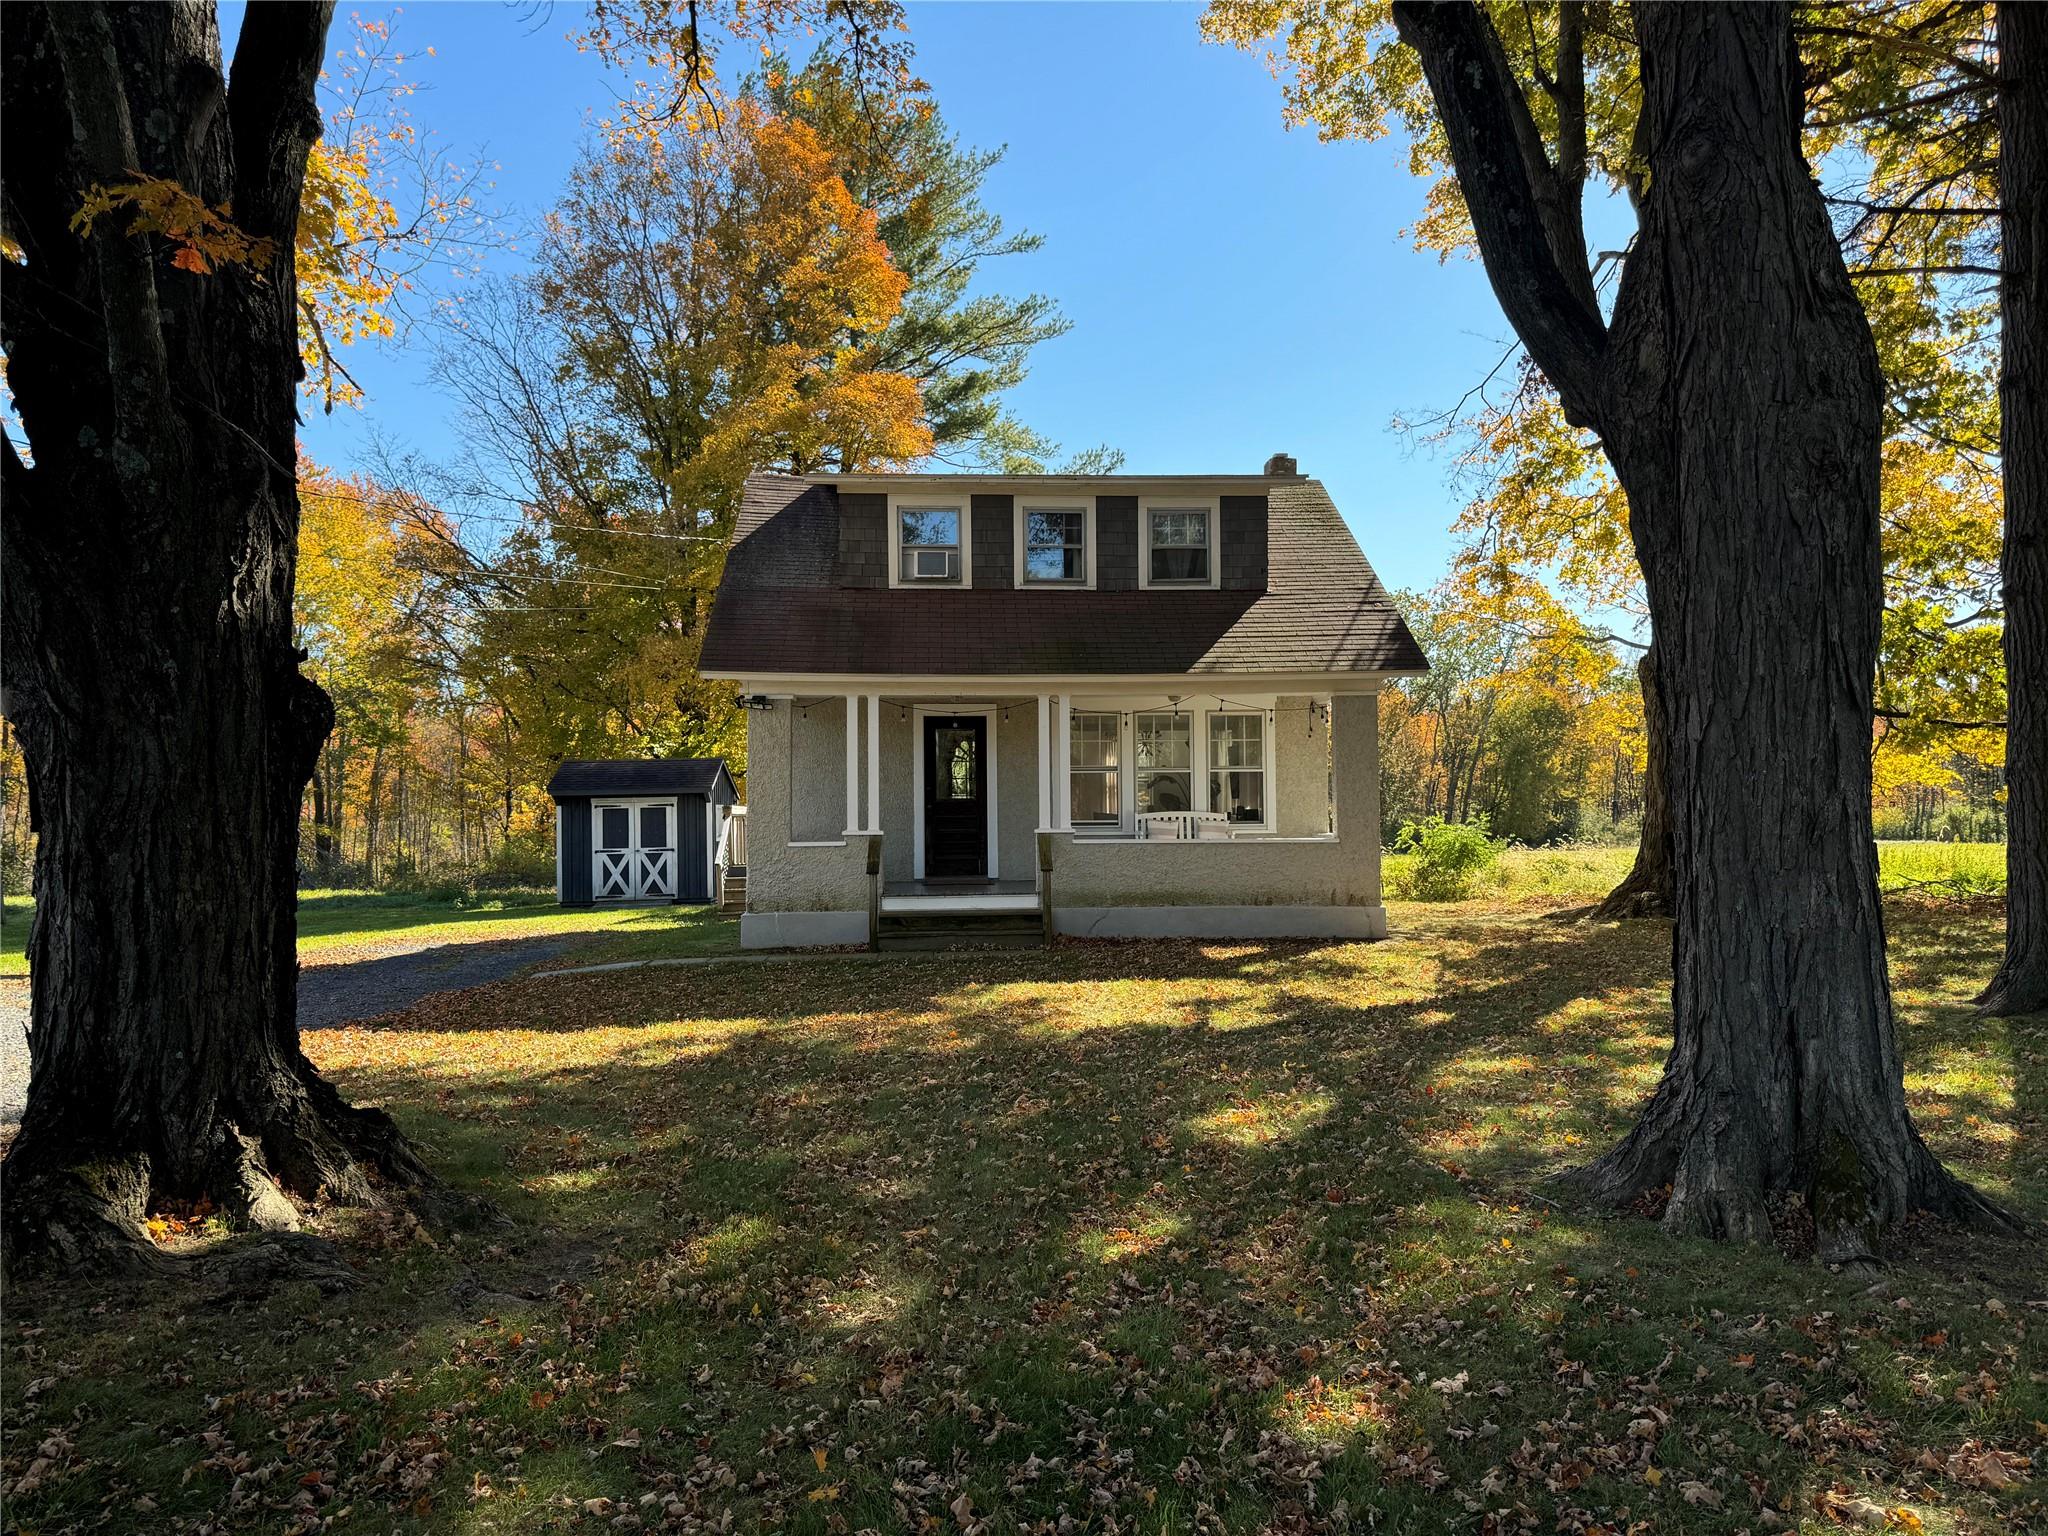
(633,850)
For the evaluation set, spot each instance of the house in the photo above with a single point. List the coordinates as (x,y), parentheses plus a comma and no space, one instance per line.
(1134,704)
(639,829)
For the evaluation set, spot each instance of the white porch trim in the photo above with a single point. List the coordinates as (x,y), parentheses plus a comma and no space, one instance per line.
(874,821)
(852,824)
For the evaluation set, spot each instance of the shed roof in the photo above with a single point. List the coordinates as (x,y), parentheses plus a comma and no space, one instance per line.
(780,609)
(643,776)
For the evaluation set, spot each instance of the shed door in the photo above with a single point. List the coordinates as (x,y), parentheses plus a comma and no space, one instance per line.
(656,850)
(633,852)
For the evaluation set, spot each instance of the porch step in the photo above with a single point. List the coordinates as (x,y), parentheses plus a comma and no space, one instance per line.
(732,894)
(959,930)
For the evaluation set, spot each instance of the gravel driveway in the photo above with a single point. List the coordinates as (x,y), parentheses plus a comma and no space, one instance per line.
(385,981)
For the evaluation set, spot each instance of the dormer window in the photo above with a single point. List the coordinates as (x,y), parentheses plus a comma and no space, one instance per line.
(930,543)
(1053,543)
(1179,543)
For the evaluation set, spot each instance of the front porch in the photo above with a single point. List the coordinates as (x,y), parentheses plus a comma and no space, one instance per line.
(1117,810)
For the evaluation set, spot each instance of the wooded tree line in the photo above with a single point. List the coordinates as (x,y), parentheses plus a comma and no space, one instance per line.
(790,270)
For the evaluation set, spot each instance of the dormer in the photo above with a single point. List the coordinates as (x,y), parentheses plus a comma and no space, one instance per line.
(1052,534)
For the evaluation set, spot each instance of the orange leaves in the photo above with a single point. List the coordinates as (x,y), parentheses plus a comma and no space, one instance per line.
(201,236)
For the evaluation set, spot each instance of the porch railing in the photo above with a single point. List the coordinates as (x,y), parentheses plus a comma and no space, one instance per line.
(732,840)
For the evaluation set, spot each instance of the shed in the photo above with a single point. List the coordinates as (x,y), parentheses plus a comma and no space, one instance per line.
(639,829)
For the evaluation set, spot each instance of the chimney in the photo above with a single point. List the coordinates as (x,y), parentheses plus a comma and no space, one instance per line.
(1282,464)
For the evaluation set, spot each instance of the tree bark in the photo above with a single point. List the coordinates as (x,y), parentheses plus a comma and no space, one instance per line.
(1738,394)
(148,660)
(1649,889)
(2021,982)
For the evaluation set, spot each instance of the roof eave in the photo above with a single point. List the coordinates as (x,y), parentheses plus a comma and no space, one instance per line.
(983,482)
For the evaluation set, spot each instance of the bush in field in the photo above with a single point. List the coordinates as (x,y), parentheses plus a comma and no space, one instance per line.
(1450,858)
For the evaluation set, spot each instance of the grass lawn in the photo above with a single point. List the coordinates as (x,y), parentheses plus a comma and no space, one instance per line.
(1589,872)
(339,926)
(1110,1238)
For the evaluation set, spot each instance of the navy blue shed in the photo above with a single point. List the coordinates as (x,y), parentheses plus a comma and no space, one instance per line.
(639,829)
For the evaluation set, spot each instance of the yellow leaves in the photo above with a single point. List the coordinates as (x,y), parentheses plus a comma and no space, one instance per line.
(202,237)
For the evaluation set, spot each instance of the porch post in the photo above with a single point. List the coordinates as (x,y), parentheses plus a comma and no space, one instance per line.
(1044,763)
(853,762)
(1063,768)
(874,762)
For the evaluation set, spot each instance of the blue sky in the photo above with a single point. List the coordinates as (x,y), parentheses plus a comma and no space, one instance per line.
(1236,289)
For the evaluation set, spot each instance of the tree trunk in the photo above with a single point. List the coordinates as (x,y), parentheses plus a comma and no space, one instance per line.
(2021,984)
(373,811)
(149,667)
(1738,395)
(1648,890)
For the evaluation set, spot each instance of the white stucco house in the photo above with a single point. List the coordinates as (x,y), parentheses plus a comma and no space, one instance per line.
(1123,705)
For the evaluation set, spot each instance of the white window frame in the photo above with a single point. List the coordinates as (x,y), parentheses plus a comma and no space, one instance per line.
(1085,505)
(1213,506)
(901,502)
(1197,791)
(1122,771)
(1265,769)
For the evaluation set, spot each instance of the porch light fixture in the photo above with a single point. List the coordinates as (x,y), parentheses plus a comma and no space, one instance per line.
(756,701)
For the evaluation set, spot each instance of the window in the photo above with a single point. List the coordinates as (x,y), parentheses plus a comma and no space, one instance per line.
(1237,767)
(1165,760)
(927,544)
(1097,756)
(654,826)
(1177,540)
(1055,544)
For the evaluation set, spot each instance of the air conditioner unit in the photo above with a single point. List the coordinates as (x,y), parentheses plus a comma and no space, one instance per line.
(931,564)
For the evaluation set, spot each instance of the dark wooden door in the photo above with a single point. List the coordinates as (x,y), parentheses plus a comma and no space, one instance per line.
(955,797)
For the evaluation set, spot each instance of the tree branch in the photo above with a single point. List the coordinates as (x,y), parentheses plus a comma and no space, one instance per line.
(1487,122)
(274,114)
(130,323)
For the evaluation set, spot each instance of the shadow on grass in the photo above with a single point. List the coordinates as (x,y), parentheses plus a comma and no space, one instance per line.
(1126,1232)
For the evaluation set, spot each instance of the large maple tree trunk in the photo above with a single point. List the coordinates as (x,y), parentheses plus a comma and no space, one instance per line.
(2021,984)
(149,669)
(1738,394)
(1648,889)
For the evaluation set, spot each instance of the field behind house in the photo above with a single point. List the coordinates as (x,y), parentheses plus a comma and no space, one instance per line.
(1146,1237)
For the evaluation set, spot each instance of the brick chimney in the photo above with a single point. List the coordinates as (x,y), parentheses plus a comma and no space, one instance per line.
(1282,464)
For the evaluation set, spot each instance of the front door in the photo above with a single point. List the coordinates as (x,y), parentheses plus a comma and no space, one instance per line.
(635,851)
(955,797)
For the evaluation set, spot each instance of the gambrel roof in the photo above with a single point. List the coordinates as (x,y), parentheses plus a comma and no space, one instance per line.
(786,606)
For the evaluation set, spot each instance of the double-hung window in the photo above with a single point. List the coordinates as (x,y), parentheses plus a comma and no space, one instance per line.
(1056,545)
(1237,767)
(1163,747)
(1096,765)
(1179,545)
(927,544)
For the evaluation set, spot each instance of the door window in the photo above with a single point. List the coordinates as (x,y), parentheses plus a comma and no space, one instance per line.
(957,764)
(615,827)
(654,826)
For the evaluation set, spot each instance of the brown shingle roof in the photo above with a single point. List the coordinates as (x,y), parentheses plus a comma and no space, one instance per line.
(778,609)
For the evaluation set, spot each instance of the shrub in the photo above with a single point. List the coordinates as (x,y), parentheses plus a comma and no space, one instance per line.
(1450,857)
